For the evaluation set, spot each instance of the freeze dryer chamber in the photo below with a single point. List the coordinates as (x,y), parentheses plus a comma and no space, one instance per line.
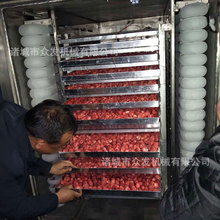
(114,63)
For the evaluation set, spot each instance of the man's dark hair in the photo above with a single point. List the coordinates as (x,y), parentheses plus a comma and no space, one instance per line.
(49,120)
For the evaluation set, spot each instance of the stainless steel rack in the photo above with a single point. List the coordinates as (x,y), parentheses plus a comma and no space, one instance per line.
(109,37)
(111,77)
(110,62)
(112,91)
(119,105)
(89,193)
(107,154)
(148,45)
(127,130)
(111,124)
(117,170)
(89,53)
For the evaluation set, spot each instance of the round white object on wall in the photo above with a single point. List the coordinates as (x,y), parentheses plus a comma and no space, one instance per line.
(192,83)
(188,115)
(41,83)
(193,59)
(34,29)
(186,154)
(37,73)
(41,93)
(192,93)
(192,135)
(193,35)
(36,51)
(193,48)
(55,96)
(196,104)
(189,145)
(37,101)
(192,125)
(38,62)
(36,40)
(192,71)
(193,10)
(192,23)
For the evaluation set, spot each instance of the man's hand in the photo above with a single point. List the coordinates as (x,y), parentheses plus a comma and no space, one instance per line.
(66,194)
(61,167)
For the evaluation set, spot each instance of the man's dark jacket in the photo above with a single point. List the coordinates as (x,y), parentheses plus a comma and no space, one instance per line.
(17,161)
(196,195)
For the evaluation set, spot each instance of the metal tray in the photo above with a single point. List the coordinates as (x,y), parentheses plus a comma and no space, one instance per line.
(108,37)
(112,77)
(117,170)
(89,193)
(130,90)
(119,105)
(140,123)
(65,155)
(150,44)
(118,131)
(76,53)
(110,62)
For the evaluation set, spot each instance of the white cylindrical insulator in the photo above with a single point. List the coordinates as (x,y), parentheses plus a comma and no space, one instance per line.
(37,101)
(50,157)
(192,93)
(192,105)
(38,62)
(193,71)
(54,96)
(34,29)
(36,40)
(37,73)
(193,59)
(193,23)
(36,51)
(193,10)
(192,83)
(186,154)
(192,125)
(196,115)
(41,83)
(41,93)
(192,135)
(189,145)
(193,36)
(193,48)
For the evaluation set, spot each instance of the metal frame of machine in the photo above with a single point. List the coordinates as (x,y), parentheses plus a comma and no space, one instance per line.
(148,60)
(155,40)
(11,88)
